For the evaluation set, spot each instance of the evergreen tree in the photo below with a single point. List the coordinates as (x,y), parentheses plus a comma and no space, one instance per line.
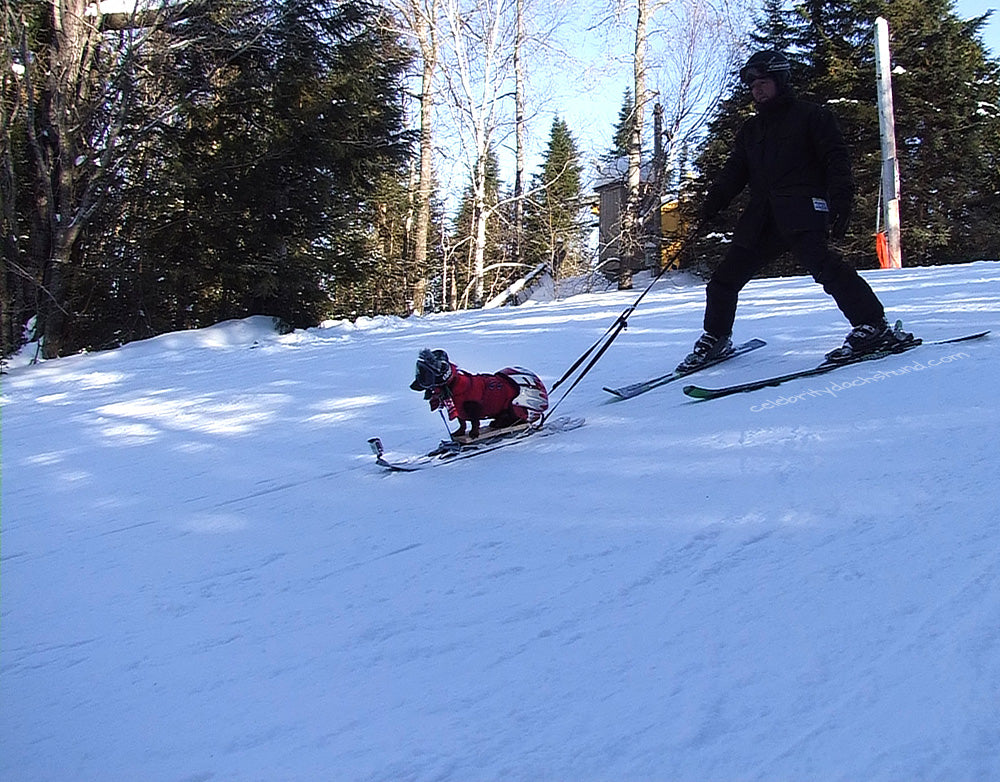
(948,134)
(775,26)
(278,154)
(946,91)
(554,218)
(388,274)
(234,160)
(623,129)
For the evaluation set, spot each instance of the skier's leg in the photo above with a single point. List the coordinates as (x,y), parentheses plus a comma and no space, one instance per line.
(723,291)
(853,294)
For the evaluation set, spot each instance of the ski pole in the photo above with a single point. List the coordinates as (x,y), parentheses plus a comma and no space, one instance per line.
(447,426)
(620,324)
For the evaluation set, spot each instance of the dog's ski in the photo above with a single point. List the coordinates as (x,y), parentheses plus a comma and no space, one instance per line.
(489,433)
(627,392)
(449,451)
(697,392)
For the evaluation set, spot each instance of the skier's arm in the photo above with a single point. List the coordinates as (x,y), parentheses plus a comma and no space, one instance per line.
(730,182)
(833,151)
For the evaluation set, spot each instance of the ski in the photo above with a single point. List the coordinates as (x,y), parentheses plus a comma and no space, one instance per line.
(697,392)
(627,392)
(449,451)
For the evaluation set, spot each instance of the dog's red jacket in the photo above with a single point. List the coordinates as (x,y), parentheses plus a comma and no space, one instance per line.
(493,392)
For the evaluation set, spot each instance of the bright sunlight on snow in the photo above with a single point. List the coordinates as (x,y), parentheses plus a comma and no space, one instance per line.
(205,576)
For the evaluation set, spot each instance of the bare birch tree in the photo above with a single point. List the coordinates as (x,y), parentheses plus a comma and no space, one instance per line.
(421,19)
(480,39)
(520,130)
(631,221)
(698,52)
(698,40)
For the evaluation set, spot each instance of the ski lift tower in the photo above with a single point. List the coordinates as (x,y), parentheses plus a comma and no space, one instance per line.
(890,252)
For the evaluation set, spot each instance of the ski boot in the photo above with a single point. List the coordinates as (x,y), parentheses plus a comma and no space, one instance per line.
(868,338)
(707,348)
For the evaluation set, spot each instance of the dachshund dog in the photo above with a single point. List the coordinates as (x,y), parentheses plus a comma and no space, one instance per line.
(511,396)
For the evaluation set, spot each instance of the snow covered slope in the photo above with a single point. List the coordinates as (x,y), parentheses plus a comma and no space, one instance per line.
(205,577)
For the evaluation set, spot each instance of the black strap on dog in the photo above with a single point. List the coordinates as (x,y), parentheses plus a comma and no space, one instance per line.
(609,336)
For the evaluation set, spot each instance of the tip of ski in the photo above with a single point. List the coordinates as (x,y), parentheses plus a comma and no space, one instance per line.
(977,335)
(697,392)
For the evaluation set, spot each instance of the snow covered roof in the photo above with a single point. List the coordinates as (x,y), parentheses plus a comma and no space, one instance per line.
(127,6)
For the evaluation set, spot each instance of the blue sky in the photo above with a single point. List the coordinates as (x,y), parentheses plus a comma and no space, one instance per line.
(991,34)
(587,90)
(602,96)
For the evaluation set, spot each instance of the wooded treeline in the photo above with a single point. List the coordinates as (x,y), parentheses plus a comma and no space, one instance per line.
(189,161)
(186,162)
(172,168)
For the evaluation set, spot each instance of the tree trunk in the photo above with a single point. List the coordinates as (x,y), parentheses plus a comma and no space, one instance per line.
(520,133)
(479,233)
(478,46)
(631,219)
(62,192)
(10,260)
(424,29)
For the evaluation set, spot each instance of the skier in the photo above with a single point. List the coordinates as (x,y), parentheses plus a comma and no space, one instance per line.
(512,396)
(794,159)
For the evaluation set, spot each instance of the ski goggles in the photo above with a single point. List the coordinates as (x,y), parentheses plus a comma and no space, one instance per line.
(427,378)
(750,74)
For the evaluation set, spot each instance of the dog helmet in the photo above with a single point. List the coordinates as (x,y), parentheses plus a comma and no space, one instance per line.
(433,370)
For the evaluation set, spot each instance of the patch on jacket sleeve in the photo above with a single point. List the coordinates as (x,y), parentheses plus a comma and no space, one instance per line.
(820,205)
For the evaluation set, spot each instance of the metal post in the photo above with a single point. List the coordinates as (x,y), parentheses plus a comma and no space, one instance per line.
(887,128)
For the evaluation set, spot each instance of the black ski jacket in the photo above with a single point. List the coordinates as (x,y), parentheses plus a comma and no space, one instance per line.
(794,159)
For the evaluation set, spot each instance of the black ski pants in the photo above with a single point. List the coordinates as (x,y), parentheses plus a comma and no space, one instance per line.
(849,290)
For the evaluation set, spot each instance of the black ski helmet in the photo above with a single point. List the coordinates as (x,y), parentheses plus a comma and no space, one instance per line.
(767,64)
(433,370)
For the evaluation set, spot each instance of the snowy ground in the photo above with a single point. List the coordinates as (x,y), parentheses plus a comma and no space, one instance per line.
(205,576)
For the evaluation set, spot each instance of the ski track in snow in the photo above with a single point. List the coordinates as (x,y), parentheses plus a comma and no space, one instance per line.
(205,576)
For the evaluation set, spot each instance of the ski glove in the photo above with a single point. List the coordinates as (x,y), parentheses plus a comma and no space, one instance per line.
(710,208)
(840,216)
